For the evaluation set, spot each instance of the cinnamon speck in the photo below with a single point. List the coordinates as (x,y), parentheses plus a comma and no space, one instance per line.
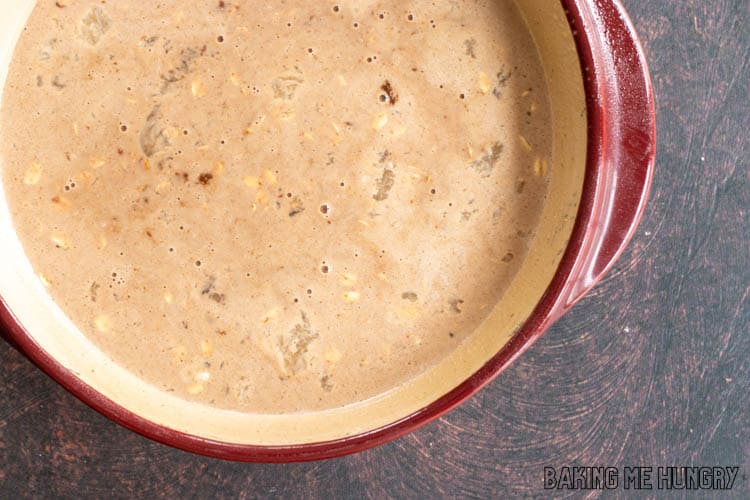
(390,94)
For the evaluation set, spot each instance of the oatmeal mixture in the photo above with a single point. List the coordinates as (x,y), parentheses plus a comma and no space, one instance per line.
(275,206)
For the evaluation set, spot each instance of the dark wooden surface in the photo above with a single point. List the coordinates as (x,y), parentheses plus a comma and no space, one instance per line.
(652,368)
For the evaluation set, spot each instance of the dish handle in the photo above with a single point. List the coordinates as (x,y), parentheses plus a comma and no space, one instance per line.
(623,149)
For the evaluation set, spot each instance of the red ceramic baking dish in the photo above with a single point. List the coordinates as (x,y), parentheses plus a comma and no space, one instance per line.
(604,142)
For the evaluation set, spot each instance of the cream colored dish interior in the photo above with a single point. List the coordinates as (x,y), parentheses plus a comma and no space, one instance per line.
(54,333)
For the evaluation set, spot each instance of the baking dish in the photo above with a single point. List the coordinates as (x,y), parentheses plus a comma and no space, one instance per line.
(604,145)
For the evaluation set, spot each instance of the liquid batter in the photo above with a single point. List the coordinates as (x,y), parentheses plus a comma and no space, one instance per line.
(275,206)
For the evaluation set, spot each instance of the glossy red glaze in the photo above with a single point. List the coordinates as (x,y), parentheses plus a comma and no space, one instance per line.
(621,152)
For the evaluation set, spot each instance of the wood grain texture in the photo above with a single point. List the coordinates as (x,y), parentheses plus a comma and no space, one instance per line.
(652,368)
